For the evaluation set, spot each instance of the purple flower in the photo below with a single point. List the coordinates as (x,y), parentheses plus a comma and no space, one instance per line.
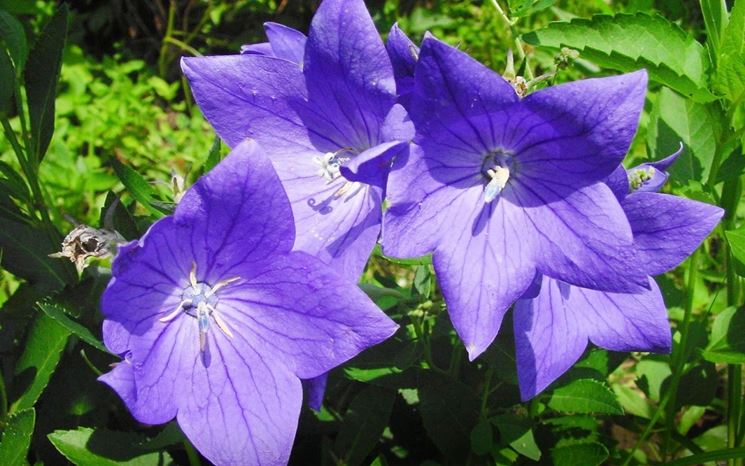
(284,42)
(502,189)
(553,328)
(404,54)
(329,122)
(218,319)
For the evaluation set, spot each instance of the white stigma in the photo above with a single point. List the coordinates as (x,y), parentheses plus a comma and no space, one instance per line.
(328,166)
(499,177)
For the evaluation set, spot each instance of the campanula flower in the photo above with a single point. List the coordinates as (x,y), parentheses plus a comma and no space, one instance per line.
(217,319)
(501,189)
(553,329)
(329,122)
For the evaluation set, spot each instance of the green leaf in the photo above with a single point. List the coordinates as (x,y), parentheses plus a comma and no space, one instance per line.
(729,78)
(7,84)
(736,240)
(86,446)
(675,119)
(363,424)
(450,411)
(517,433)
(726,342)
(137,187)
(14,37)
(41,75)
(482,438)
(701,458)
(56,312)
(715,18)
(41,354)
(26,254)
(213,158)
(586,454)
(628,42)
(15,184)
(423,280)
(115,216)
(520,8)
(17,437)
(585,396)
(633,402)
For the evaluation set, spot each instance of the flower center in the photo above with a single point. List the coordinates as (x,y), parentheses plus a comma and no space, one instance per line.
(639,177)
(496,168)
(330,163)
(199,300)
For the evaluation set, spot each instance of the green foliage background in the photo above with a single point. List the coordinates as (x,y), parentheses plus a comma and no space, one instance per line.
(125,125)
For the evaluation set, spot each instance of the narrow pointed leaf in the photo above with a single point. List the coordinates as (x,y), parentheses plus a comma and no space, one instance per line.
(58,314)
(729,78)
(41,76)
(14,37)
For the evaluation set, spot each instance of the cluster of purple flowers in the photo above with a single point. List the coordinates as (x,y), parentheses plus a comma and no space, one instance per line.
(221,309)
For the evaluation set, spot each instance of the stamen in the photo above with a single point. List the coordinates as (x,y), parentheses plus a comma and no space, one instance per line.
(221,324)
(499,177)
(221,284)
(175,313)
(193,275)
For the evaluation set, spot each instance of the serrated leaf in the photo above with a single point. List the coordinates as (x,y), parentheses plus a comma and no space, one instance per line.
(41,77)
(17,437)
(7,84)
(675,119)
(628,42)
(26,254)
(14,37)
(363,424)
(520,8)
(86,446)
(729,78)
(41,354)
(137,187)
(586,454)
(58,314)
(585,396)
(726,342)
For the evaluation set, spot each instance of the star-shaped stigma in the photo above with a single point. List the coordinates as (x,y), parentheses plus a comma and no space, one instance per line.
(199,300)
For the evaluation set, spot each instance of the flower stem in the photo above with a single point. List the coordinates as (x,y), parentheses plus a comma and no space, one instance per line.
(680,356)
(515,38)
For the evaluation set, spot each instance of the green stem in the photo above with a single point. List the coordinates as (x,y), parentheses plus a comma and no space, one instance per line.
(3,399)
(679,357)
(515,38)
(485,395)
(163,56)
(729,202)
(183,46)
